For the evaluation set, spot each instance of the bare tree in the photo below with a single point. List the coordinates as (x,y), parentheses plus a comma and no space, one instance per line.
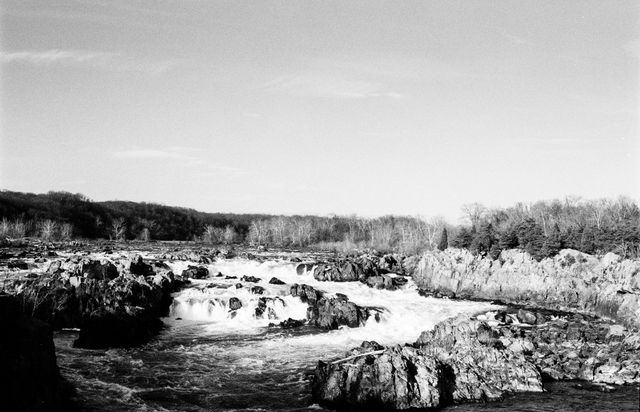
(48,229)
(229,234)
(118,228)
(209,235)
(474,212)
(5,227)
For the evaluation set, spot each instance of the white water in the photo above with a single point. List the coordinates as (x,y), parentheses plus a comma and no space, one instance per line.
(405,314)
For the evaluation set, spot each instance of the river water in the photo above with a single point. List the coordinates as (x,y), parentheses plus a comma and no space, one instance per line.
(210,358)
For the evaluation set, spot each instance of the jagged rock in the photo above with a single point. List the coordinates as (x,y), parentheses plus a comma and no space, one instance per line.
(276,281)
(456,362)
(571,280)
(251,279)
(195,272)
(396,378)
(306,293)
(262,307)
(330,313)
(123,311)
(381,282)
(234,303)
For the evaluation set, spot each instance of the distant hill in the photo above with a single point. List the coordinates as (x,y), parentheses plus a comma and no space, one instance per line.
(94,219)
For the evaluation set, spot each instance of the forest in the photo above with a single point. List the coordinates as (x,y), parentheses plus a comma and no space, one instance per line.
(541,228)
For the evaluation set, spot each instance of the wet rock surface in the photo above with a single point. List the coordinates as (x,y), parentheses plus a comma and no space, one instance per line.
(195,272)
(381,272)
(330,312)
(435,372)
(112,306)
(481,359)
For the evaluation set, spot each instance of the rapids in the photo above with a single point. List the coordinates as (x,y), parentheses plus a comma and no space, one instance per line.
(211,358)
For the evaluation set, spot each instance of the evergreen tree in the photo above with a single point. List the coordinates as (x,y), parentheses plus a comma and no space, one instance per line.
(553,243)
(509,238)
(444,240)
(483,239)
(463,239)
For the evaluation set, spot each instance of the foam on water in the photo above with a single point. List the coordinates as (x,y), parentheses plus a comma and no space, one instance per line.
(403,313)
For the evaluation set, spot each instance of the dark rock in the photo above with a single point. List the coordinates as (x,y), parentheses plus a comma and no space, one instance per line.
(276,281)
(251,279)
(18,264)
(231,277)
(306,293)
(526,316)
(330,313)
(29,376)
(195,272)
(139,267)
(234,303)
(98,270)
(257,290)
(290,323)
(303,267)
(121,327)
(238,285)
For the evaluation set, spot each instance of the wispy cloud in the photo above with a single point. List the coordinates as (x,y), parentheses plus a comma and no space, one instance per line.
(89,59)
(316,84)
(186,156)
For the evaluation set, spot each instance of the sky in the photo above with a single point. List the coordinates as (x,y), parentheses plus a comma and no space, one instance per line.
(319,107)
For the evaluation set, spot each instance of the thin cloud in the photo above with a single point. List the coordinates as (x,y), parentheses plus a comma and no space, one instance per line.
(88,59)
(315,84)
(184,155)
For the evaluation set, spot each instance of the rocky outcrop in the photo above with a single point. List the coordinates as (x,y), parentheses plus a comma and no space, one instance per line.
(382,272)
(330,312)
(607,286)
(29,376)
(111,311)
(451,365)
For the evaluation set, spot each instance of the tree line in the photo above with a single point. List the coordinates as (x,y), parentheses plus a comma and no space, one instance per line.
(541,228)
(544,228)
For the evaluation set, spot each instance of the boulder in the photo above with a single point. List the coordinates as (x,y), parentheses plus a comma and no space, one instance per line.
(331,313)
(234,303)
(257,290)
(276,281)
(251,279)
(139,267)
(195,272)
(98,270)
(306,293)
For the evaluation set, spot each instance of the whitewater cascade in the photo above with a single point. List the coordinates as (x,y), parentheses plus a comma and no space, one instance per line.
(403,313)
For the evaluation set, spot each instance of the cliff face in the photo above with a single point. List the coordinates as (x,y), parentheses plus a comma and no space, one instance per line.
(607,286)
